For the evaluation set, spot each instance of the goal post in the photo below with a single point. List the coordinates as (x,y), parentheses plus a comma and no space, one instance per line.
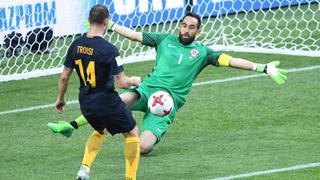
(35,35)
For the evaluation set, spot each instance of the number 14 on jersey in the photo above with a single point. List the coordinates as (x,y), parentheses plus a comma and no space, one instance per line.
(90,76)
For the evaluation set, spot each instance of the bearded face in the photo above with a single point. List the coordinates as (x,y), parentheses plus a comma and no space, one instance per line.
(186,39)
(188,30)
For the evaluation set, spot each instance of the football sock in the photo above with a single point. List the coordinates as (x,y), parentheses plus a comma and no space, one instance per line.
(74,124)
(132,156)
(92,148)
(80,121)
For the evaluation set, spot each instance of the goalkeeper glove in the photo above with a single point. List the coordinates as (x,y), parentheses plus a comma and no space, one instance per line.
(87,25)
(277,74)
(111,25)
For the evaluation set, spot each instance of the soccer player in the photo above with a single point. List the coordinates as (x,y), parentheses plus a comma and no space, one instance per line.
(179,60)
(97,63)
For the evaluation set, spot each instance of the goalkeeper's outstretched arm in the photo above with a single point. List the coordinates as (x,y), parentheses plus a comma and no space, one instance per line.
(242,64)
(271,69)
(125,32)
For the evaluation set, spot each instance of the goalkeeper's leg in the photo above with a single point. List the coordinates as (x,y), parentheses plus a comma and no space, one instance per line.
(65,128)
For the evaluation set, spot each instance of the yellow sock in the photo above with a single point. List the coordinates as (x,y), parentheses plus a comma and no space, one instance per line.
(92,148)
(81,120)
(132,156)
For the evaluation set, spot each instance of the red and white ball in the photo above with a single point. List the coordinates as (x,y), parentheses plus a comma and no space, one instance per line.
(160,103)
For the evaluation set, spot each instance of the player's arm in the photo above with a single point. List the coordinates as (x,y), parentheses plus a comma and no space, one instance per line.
(271,69)
(242,64)
(146,38)
(62,88)
(221,59)
(124,82)
(125,32)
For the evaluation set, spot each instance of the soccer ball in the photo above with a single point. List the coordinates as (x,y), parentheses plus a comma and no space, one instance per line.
(160,103)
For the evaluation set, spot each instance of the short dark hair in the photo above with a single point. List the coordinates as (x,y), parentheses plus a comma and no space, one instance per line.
(98,14)
(194,15)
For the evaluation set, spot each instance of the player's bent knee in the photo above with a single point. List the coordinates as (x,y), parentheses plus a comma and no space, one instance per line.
(147,141)
(145,148)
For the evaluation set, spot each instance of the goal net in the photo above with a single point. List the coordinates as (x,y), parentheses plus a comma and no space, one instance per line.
(35,35)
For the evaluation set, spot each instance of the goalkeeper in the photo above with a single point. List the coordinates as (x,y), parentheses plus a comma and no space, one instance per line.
(179,61)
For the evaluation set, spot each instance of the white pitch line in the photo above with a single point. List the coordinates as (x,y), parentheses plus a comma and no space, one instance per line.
(271,171)
(34,108)
(194,84)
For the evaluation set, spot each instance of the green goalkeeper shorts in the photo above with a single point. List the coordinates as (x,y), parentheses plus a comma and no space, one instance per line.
(156,124)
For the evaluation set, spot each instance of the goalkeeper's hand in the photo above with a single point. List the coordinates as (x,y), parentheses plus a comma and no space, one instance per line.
(87,25)
(277,74)
(110,25)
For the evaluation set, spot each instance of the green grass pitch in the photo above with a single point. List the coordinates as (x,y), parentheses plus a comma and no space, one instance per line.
(225,129)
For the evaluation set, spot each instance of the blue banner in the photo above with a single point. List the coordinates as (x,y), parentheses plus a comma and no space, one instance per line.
(133,13)
(69,17)
(209,8)
(30,15)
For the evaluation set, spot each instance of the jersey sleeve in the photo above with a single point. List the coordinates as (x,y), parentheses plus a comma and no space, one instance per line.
(217,58)
(69,62)
(117,63)
(152,39)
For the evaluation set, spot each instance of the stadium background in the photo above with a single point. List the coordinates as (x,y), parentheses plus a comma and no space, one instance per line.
(22,16)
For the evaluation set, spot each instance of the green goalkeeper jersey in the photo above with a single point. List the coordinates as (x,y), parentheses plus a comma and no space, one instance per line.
(177,65)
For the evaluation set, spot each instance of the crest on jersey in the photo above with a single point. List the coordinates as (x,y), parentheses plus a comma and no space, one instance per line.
(194,53)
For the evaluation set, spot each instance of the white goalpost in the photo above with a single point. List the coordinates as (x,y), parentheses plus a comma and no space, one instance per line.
(35,35)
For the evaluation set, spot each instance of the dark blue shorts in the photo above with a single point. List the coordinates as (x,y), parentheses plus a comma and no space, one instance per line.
(104,110)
